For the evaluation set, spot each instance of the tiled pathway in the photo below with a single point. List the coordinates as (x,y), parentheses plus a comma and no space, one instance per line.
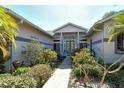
(60,77)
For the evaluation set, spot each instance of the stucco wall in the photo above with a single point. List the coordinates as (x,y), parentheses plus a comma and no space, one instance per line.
(109,48)
(27,32)
(105,50)
(109,53)
(97,45)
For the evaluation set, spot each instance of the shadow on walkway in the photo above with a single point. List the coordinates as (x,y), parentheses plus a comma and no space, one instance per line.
(66,64)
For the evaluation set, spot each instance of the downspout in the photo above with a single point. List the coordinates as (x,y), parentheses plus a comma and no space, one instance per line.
(10,60)
(103,45)
(61,43)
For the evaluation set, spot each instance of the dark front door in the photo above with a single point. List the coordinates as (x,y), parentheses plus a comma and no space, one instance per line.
(69,46)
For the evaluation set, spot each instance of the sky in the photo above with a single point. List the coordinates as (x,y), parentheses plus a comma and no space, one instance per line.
(49,17)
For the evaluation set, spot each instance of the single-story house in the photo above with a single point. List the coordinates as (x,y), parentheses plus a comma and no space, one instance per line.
(68,37)
(98,36)
(27,32)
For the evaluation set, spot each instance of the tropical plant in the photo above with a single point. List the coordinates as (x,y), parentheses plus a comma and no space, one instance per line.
(85,64)
(118,26)
(8,31)
(49,55)
(107,70)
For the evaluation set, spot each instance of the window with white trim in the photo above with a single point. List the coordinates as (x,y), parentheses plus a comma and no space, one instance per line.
(120,43)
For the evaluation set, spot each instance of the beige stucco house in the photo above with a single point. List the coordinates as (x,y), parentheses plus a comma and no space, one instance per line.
(98,36)
(27,32)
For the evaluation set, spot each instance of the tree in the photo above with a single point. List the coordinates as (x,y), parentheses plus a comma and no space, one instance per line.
(118,27)
(108,14)
(8,31)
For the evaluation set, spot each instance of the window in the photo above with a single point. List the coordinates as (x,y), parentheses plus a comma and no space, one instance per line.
(57,47)
(83,45)
(120,44)
(56,40)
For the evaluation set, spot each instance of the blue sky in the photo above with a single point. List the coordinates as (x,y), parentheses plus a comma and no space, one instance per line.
(49,17)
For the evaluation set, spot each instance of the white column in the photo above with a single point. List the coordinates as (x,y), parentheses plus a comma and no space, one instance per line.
(103,45)
(78,41)
(61,43)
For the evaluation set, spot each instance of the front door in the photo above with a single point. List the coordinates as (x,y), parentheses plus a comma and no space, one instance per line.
(69,46)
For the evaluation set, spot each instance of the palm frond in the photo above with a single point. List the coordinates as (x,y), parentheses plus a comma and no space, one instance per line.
(8,31)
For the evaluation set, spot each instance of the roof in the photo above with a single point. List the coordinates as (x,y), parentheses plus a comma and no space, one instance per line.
(26,21)
(102,21)
(50,32)
(69,23)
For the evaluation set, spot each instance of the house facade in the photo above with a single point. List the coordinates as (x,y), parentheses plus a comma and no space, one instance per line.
(69,37)
(98,37)
(26,34)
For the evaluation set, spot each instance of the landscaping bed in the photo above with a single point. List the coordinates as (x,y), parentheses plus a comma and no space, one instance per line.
(38,66)
(79,83)
(89,72)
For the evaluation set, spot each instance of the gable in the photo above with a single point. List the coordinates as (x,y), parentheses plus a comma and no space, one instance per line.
(70,28)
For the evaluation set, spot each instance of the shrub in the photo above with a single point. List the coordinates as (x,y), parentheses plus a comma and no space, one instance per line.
(40,73)
(121,83)
(116,78)
(75,51)
(84,60)
(9,81)
(49,56)
(35,53)
(21,70)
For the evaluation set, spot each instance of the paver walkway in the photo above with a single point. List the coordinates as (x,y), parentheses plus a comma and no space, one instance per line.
(60,77)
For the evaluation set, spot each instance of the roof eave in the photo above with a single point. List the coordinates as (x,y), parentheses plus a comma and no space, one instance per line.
(28,22)
(69,23)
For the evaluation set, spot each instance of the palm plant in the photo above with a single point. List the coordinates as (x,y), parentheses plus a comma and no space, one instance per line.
(118,27)
(8,31)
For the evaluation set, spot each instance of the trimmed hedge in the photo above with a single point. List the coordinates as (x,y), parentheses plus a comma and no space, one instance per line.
(40,73)
(9,81)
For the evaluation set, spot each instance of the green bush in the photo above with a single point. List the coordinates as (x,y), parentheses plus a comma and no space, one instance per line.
(9,81)
(75,51)
(35,53)
(116,79)
(40,73)
(48,56)
(121,83)
(21,70)
(85,60)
